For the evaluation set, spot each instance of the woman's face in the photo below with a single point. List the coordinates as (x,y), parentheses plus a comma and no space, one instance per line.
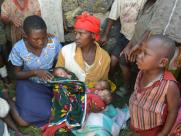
(83,38)
(37,38)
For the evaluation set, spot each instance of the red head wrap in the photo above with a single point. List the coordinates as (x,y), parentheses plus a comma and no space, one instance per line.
(89,23)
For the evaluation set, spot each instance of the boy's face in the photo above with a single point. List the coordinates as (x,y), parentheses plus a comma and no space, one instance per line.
(150,56)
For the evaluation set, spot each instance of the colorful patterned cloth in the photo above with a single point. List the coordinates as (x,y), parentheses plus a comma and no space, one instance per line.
(69,107)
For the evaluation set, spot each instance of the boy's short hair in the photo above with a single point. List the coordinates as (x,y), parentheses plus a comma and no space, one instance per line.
(33,22)
(168,45)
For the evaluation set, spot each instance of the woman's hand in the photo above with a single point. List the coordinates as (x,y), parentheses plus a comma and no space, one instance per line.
(44,74)
(17,22)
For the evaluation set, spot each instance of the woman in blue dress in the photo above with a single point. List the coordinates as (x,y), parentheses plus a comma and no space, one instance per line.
(32,57)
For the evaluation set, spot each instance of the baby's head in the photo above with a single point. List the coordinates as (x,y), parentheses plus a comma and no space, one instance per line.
(60,72)
(155,53)
(102,84)
(105,95)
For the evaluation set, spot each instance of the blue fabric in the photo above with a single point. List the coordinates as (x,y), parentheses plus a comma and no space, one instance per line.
(20,56)
(106,123)
(33,102)
(2,127)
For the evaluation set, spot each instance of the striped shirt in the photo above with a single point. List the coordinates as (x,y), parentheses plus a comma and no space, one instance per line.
(147,105)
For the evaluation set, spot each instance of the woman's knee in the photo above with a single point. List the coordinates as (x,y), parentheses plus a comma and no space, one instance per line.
(114,60)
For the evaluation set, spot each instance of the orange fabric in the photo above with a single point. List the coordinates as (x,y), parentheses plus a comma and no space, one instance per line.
(100,66)
(88,23)
(169,76)
(60,61)
(50,131)
(94,103)
(151,132)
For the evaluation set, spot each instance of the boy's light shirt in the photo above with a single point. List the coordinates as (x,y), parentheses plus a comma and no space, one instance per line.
(127,11)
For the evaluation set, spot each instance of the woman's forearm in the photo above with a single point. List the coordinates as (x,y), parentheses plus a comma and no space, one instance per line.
(25,74)
(109,26)
(5,19)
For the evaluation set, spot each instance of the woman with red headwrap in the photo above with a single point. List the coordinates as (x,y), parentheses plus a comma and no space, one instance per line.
(85,58)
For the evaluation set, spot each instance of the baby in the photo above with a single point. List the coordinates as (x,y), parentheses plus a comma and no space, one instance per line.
(98,97)
(102,88)
(61,72)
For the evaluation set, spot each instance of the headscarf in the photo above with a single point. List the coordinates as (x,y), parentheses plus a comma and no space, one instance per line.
(89,23)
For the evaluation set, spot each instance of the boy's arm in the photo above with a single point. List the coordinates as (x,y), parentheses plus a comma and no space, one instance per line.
(172,98)
(105,37)
(113,16)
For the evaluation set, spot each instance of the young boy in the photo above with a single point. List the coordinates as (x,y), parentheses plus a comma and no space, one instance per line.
(155,100)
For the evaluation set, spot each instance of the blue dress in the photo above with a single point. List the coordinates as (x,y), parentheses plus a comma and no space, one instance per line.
(33,100)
